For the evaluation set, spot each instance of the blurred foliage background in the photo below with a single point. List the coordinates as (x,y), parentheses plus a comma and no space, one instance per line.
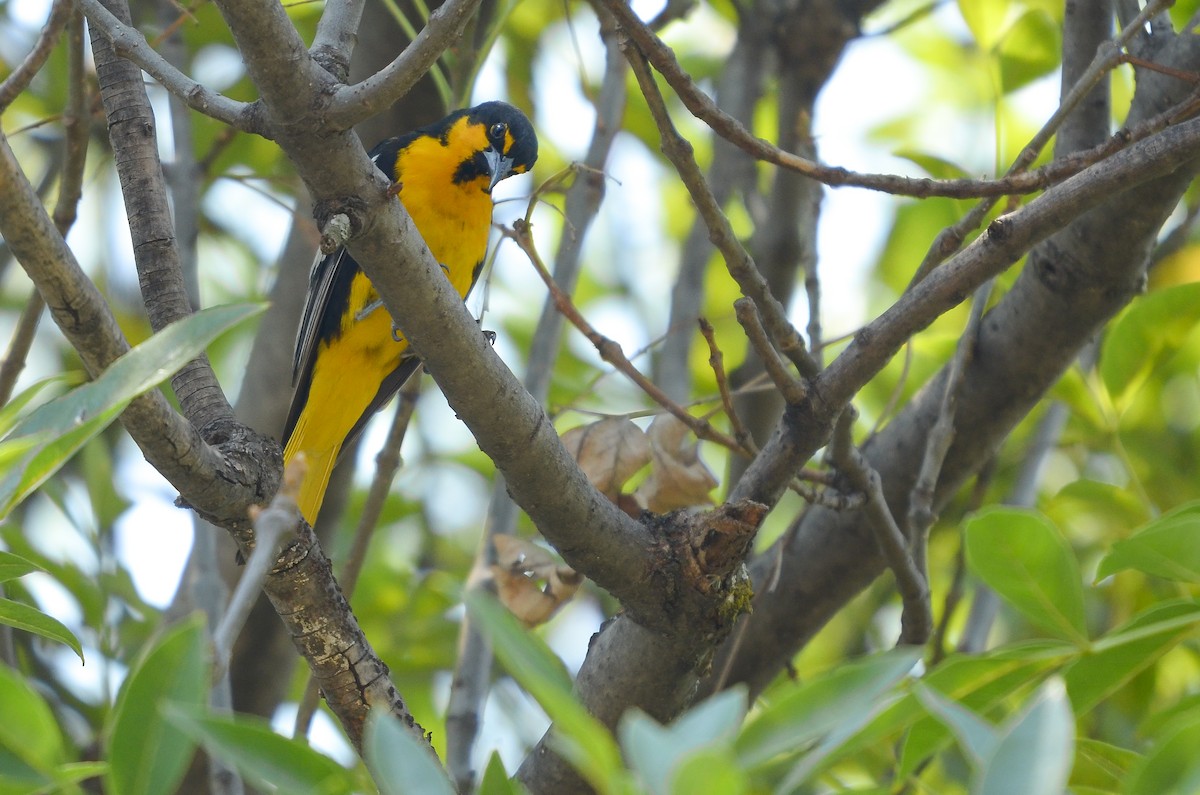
(942,90)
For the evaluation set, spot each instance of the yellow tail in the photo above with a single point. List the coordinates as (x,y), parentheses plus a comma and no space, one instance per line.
(316,480)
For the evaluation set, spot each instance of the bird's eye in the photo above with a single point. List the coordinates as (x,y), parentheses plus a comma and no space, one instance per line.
(497,131)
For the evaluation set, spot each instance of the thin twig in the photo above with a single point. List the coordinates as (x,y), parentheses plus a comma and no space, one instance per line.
(1108,56)
(792,389)
(917,619)
(921,515)
(128,42)
(703,108)
(70,188)
(716,360)
(18,348)
(827,497)
(351,104)
(272,526)
(19,79)
(737,260)
(608,349)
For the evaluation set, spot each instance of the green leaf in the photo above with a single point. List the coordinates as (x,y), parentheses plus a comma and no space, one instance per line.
(578,737)
(1036,748)
(1136,342)
(976,737)
(1031,49)
(1100,765)
(1172,766)
(986,20)
(74,772)
(1125,652)
(1022,556)
(262,757)
(712,772)
(847,694)
(66,423)
(28,729)
(658,752)
(14,566)
(495,779)
(22,616)
(176,669)
(979,683)
(13,408)
(400,763)
(1168,547)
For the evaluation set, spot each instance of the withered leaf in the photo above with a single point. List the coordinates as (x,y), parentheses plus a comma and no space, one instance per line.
(609,452)
(678,478)
(520,566)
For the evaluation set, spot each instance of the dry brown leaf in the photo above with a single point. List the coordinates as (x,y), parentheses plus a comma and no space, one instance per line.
(609,452)
(678,478)
(520,566)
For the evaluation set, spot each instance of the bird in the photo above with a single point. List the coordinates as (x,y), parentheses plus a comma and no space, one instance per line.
(349,358)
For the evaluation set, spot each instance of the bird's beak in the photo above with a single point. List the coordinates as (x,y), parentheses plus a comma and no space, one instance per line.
(499,165)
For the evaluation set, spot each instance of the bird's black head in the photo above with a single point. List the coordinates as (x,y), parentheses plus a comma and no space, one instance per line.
(509,133)
(495,141)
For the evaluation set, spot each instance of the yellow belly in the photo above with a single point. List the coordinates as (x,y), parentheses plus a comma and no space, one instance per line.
(348,370)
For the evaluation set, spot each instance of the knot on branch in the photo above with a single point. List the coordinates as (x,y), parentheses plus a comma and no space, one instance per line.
(707,548)
(339,220)
(334,61)
(249,459)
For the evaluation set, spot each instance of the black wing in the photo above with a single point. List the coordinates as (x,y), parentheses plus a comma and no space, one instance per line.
(328,295)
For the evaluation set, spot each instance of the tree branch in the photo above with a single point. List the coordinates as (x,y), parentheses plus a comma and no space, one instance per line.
(471,680)
(703,108)
(801,433)
(18,80)
(132,132)
(337,33)
(217,487)
(1073,282)
(130,43)
(351,104)
(917,619)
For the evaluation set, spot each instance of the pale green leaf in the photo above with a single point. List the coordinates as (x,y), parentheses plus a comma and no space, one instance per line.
(1036,748)
(1168,547)
(1023,557)
(659,752)
(976,736)
(66,423)
(578,737)
(29,619)
(827,705)
(262,757)
(28,729)
(1171,766)
(985,19)
(1135,342)
(1125,652)
(176,669)
(14,566)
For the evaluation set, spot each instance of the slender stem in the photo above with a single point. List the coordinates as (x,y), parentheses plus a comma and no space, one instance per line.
(917,620)
(18,80)
(129,43)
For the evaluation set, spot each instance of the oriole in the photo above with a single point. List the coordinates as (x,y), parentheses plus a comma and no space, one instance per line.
(349,360)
